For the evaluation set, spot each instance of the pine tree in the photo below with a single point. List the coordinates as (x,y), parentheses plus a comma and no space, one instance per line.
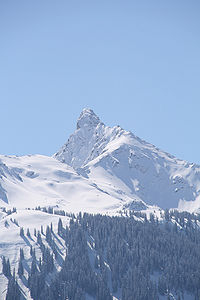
(28,233)
(60,227)
(20,269)
(21,231)
(33,254)
(33,267)
(13,291)
(48,235)
(21,254)
(40,263)
(8,268)
(4,264)
(39,239)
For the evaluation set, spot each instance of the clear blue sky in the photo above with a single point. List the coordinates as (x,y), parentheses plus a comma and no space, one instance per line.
(135,63)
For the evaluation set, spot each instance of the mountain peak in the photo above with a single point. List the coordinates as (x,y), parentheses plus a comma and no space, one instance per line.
(88,118)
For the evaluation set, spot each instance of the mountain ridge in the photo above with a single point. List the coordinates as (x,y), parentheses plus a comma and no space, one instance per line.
(108,169)
(90,147)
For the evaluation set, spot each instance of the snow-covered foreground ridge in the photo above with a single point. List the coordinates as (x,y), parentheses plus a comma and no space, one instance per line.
(100,169)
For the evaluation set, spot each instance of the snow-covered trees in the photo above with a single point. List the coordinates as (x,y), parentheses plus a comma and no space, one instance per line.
(106,255)
(20,269)
(13,291)
(6,267)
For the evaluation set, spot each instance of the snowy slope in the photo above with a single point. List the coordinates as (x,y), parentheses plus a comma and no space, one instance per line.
(36,180)
(121,163)
(11,242)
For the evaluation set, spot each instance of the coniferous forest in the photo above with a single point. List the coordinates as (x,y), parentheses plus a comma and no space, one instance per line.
(120,256)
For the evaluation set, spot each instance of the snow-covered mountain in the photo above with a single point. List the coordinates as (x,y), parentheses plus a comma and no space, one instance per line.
(121,164)
(100,169)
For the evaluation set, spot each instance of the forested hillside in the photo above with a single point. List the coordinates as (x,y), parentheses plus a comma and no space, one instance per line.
(115,256)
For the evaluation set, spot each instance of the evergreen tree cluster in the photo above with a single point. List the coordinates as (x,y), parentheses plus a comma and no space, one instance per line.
(77,276)
(107,255)
(13,291)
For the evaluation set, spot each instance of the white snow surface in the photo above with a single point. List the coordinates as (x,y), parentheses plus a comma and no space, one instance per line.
(36,180)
